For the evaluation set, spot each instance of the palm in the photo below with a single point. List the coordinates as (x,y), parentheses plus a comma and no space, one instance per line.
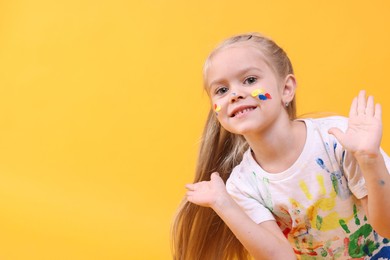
(364,132)
(206,193)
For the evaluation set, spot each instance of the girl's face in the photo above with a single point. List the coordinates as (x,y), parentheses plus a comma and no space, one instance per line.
(245,92)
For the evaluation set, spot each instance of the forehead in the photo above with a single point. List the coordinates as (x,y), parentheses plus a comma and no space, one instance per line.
(234,58)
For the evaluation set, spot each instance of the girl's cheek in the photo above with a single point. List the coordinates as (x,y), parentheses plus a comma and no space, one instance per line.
(217,108)
(261,94)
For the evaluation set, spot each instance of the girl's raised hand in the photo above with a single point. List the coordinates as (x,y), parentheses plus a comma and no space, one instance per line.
(207,193)
(363,135)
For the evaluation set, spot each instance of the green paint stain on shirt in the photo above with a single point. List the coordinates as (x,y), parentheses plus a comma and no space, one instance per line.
(344,226)
(319,222)
(357,220)
(323,252)
(359,245)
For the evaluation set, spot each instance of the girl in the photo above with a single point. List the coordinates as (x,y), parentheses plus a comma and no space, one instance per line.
(307,188)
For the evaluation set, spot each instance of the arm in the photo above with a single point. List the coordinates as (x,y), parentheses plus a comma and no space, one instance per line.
(263,241)
(362,139)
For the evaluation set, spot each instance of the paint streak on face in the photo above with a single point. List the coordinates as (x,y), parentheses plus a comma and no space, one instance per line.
(217,108)
(260,93)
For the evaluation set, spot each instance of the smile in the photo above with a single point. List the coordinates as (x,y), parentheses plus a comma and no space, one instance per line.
(242,110)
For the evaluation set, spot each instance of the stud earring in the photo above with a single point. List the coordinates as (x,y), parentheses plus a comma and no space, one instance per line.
(286,104)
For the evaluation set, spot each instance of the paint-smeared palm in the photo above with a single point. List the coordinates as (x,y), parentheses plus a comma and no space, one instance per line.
(364,132)
(206,193)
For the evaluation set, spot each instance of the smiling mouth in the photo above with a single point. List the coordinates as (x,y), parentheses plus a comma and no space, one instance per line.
(242,111)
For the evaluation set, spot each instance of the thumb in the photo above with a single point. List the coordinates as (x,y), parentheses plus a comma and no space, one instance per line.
(214,175)
(336,132)
(217,180)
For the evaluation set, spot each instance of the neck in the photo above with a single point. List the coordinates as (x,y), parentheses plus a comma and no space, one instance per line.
(275,150)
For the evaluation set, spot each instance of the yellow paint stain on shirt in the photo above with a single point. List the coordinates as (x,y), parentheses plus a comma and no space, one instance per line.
(320,180)
(305,189)
(295,204)
(330,222)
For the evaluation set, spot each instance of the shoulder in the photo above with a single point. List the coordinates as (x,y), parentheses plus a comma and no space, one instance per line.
(325,123)
(243,173)
(319,136)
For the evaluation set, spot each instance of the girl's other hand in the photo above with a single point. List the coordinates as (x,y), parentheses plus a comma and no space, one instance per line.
(207,193)
(363,135)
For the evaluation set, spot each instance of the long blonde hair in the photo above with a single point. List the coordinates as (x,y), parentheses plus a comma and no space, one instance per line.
(198,232)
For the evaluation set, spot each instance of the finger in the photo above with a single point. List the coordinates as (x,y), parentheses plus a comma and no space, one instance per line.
(361,102)
(353,110)
(190,198)
(370,106)
(336,132)
(378,112)
(190,186)
(214,175)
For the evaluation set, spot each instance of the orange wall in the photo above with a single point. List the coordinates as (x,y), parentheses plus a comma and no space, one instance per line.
(101,108)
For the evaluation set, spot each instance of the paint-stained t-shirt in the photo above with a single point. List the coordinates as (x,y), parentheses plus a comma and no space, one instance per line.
(316,201)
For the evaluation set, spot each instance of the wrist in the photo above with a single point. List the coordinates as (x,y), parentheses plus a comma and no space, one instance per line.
(222,202)
(368,159)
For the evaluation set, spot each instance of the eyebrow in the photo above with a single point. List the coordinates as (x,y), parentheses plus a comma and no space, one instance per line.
(240,72)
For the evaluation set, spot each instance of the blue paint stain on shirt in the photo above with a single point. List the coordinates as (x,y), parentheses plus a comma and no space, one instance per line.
(321,163)
(384,253)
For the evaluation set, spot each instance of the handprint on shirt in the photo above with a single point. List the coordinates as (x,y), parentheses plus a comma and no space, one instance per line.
(320,212)
(360,243)
(319,216)
(338,180)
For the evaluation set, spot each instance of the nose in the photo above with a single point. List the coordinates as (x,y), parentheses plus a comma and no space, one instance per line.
(235,96)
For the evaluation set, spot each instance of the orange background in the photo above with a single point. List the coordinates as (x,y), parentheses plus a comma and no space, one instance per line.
(101,108)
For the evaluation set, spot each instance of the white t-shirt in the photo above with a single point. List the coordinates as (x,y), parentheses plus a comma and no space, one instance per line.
(316,201)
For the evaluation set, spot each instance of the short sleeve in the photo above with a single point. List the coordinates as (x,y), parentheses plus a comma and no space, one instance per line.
(348,163)
(344,160)
(248,198)
(354,175)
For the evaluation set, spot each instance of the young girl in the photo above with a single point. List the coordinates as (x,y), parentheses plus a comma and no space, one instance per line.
(295,188)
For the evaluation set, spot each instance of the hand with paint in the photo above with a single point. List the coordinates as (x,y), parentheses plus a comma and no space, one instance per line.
(363,135)
(362,138)
(207,193)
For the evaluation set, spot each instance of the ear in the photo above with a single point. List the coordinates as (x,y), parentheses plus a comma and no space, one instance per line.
(288,91)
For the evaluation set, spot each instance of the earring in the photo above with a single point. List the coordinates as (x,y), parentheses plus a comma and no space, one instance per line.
(286,104)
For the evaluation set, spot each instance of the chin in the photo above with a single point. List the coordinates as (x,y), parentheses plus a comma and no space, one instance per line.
(243,130)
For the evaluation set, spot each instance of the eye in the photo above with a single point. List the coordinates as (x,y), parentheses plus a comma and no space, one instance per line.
(250,80)
(221,90)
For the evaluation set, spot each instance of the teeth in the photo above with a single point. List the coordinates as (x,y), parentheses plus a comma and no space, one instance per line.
(243,111)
